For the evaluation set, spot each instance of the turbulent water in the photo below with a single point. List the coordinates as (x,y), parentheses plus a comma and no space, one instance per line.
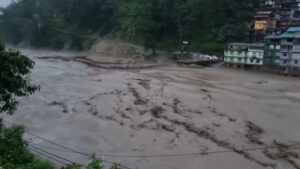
(151,114)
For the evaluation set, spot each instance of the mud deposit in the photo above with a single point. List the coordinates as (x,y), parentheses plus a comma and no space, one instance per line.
(164,111)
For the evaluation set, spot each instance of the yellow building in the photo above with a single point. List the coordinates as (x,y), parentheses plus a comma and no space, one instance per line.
(263,21)
(260,25)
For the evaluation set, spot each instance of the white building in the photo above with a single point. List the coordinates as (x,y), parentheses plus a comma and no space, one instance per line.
(244,54)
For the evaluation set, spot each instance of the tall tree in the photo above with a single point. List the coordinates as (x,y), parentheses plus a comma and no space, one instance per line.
(138,26)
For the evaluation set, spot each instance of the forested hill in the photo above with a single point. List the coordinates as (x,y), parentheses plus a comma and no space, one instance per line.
(157,24)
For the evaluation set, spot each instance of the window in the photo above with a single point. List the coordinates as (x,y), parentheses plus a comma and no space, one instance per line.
(296,61)
(251,60)
(284,54)
(277,46)
(284,61)
(250,54)
(289,40)
(271,46)
(257,61)
(296,41)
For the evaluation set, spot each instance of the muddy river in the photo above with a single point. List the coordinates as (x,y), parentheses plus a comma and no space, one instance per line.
(165,117)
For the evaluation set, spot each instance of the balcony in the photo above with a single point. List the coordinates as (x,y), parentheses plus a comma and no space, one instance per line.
(285,56)
(286,50)
(251,61)
(234,53)
(287,43)
(296,48)
(296,56)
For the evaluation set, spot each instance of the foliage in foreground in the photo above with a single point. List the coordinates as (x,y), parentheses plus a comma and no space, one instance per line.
(13,150)
(14,153)
(14,80)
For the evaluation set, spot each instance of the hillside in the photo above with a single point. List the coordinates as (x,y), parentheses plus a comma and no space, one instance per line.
(154,24)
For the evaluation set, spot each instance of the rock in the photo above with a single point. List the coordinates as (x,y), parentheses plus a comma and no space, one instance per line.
(157,111)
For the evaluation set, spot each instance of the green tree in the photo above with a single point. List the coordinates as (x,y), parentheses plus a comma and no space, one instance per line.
(13,150)
(155,24)
(139,26)
(14,153)
(14,79)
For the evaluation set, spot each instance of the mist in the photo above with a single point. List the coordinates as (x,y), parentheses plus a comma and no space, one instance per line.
(4,3)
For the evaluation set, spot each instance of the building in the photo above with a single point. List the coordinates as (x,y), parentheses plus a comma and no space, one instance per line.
(268,4)
(255,54)
(236,54)
(274,18)
(289,61)
(244,54)
(289,8)
(263,23)
(295,59)
(272,51)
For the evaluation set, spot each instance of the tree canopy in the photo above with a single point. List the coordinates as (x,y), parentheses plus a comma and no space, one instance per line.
(14,80)
(156,24)
(15,154)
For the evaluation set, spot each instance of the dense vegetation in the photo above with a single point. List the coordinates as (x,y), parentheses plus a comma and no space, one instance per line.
(14,153)
(156,24)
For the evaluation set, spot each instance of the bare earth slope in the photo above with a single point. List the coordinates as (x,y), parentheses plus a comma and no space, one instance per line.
(164,111)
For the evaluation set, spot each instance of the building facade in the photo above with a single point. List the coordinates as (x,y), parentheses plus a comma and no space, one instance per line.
(272,51)
(263,23)
(274,18)
(244,54)
(290,51)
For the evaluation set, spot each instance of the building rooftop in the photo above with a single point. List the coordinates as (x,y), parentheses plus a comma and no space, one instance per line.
(246,46)
(287,35)
(238,44)
(290,33)
(293,29)
(256,45)
(263,14)
(272,37)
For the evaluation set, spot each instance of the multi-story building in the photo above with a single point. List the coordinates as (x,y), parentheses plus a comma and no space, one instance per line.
(255,54)
(295,60)
(236,54)
(286,50)
(263,23)
(275,17)
(272,51)
(289,61)
(244,54)
(277,24)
